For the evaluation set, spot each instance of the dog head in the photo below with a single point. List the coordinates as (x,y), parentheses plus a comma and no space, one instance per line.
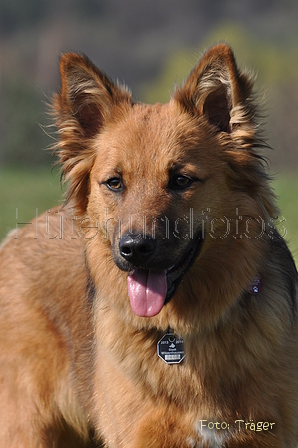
(156,181)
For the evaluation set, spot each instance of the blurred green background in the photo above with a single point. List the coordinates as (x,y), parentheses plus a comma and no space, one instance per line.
(151,45)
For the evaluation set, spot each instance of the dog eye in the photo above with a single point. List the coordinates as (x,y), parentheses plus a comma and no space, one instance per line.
(180,182)
(114,184)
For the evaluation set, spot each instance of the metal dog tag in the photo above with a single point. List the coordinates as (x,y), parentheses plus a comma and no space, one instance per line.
(170,349)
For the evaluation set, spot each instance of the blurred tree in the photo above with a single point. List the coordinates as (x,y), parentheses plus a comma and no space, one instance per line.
(22,113)
(17,13)
(176,67)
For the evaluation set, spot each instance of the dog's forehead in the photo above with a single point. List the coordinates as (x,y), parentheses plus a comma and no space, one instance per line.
(158,130)
(151,140)
(150,122)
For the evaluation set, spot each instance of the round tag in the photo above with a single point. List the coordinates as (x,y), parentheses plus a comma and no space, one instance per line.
(170,349)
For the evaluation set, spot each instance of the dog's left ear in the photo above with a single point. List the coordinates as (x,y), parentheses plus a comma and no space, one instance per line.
(215,87)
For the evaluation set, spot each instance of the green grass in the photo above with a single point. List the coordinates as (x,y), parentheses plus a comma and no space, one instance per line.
(23,191)
(40,189)
(286,189)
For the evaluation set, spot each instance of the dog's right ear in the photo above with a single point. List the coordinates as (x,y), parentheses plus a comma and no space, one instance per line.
(86,95)
(86,102)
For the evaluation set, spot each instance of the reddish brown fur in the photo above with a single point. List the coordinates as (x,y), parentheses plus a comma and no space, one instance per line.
(76,364)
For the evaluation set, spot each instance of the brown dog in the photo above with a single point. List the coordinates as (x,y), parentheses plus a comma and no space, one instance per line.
(159,309)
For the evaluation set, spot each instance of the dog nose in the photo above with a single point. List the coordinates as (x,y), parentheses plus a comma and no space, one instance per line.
(136,249)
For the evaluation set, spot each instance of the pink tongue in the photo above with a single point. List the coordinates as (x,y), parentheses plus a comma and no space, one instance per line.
(147,291)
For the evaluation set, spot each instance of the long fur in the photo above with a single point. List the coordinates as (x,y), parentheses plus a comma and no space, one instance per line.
(78,368)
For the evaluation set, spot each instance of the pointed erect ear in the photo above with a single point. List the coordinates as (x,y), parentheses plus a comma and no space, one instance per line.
(86,94)
(86,102)
(215,87)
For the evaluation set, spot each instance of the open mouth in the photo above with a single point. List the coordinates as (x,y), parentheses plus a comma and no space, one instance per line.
(149,291)
(176,273)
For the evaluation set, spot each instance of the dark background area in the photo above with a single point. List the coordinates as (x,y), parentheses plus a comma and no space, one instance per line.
(149,44)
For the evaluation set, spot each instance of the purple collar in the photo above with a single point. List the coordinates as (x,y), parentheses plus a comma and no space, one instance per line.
(255,286)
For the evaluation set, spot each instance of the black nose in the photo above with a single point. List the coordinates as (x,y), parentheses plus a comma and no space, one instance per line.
(136,249)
